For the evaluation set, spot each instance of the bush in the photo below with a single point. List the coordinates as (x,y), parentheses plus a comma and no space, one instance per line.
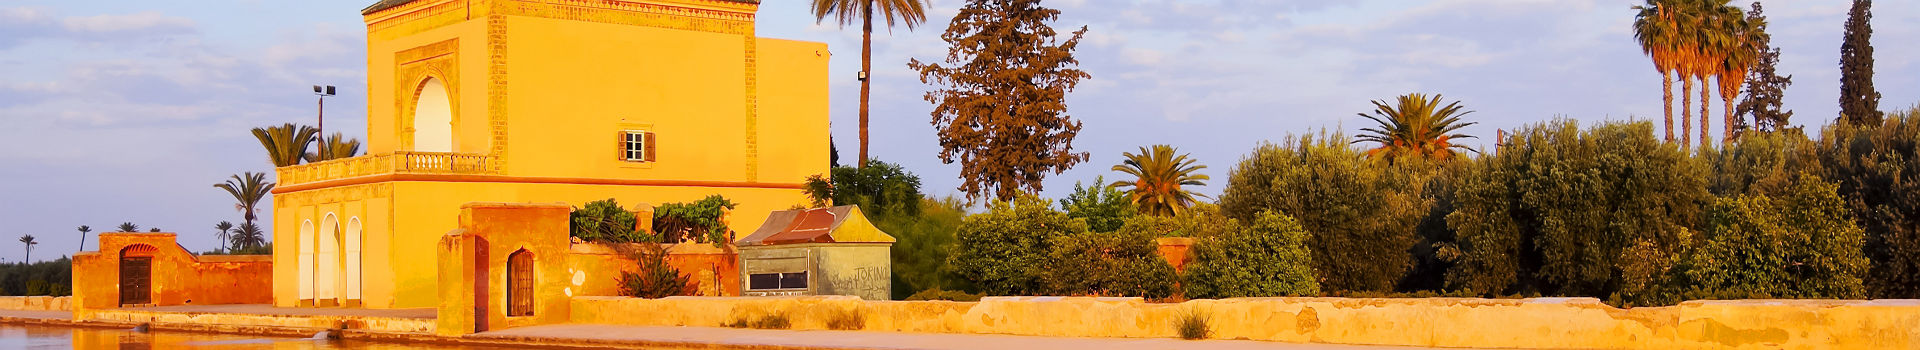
(46,277)
(1268,257)
(769,321)
(939,294)
(1604,212)
(1801,244)
(1104,208)
(1191,324)
(846,319)
(881,189)
(999,250)
(921,245)
(655,279)
(1877,168)
(1108,264)
(605,221)
(701,221)
(1362,213)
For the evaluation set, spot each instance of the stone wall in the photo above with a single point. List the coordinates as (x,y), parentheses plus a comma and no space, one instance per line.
(1543,323)
(39,303)
(178,277)
(595,268)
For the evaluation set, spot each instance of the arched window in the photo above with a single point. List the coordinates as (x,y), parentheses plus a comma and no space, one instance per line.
(433,118)
(520,283)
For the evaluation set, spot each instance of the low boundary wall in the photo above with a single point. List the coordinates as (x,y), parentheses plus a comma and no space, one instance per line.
(37,303)
(1541,323)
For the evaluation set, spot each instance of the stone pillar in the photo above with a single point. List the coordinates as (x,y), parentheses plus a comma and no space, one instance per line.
(1176,250)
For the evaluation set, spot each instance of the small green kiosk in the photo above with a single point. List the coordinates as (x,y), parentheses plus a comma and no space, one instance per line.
(823,251)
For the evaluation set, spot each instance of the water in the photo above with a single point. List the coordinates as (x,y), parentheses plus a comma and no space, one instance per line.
(44,337)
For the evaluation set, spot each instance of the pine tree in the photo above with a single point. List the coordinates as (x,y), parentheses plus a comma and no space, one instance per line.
(1001,111)
(1766,89)
(1859,102)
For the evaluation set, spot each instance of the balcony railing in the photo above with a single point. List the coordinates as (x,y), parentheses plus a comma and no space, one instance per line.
(388,163)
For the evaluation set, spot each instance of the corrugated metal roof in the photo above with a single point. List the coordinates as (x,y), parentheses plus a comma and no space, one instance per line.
(387,4)
(842,224)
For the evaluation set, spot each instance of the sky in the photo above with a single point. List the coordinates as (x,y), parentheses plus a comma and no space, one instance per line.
(129,111)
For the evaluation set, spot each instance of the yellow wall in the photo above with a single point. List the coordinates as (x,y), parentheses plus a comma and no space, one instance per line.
(1541,323)
(542,89)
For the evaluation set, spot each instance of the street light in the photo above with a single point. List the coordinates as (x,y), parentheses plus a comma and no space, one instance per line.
(323,91)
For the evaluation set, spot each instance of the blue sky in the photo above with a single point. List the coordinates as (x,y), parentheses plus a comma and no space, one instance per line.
(114,110)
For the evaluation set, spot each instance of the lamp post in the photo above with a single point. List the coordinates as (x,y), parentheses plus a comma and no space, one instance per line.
(323,91)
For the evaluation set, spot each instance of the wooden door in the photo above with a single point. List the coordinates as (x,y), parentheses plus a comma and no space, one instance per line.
(520,284)
(136,278)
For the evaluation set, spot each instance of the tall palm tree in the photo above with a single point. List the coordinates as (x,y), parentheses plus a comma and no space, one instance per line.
(908,12)
(247,192)
(28,240)
(332,147)
(128,227)
(223,227)
(286,144)
(1158,176)
(1738,51)
(1415,126)
(248,237)
(1656,29)
(83,237)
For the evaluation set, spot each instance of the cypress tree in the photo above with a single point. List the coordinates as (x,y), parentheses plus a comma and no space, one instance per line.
(1859,102)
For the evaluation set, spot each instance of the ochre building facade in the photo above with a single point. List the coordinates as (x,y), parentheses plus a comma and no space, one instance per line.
(545,101)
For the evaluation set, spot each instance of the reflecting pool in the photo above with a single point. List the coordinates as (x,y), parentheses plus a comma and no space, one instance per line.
(44,337)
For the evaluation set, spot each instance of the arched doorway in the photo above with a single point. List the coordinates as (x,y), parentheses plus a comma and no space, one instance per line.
(353,260)
(304,263)
(326,269)
(432,118)
(136,274)
(520,283)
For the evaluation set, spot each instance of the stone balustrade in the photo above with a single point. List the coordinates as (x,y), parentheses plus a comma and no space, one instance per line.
(389,163)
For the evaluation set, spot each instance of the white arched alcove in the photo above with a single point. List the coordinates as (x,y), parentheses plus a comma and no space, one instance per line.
(305,260)
(353,258)
(433,118)
(326,256)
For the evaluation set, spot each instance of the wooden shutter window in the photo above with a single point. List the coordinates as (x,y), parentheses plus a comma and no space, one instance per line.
(648,137)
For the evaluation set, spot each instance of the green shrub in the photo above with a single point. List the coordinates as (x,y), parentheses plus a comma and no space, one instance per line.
(948,295)
(54,277)
(881,189)
(697,221)
(921,245)
(1108,264)
(1877,168)
(1561,211)
(655,278)
(1800,244)
(1191,324)
(999,250)
(1268,257)
(851,319)
(605,221)
(1362,213)
(1104,208)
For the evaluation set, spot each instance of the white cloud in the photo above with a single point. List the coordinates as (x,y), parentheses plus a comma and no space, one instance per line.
(143,22)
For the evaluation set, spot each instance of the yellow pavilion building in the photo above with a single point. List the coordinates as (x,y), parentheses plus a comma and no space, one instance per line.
(544,101)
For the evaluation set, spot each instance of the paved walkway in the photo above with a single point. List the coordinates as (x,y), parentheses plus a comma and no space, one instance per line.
(40,315)
(755,338)
(266,309)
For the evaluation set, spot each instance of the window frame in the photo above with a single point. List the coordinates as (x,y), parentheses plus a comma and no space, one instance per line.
(648,144)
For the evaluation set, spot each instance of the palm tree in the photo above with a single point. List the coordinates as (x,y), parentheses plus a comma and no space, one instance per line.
(1415,126)
(28,240)
(1738,52)
(1158,175)
(83,237)
(1655,27)
(223,227)
(908,12)
(248,237)
(286,144)
(332,147)
(247,192)
(128,227)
